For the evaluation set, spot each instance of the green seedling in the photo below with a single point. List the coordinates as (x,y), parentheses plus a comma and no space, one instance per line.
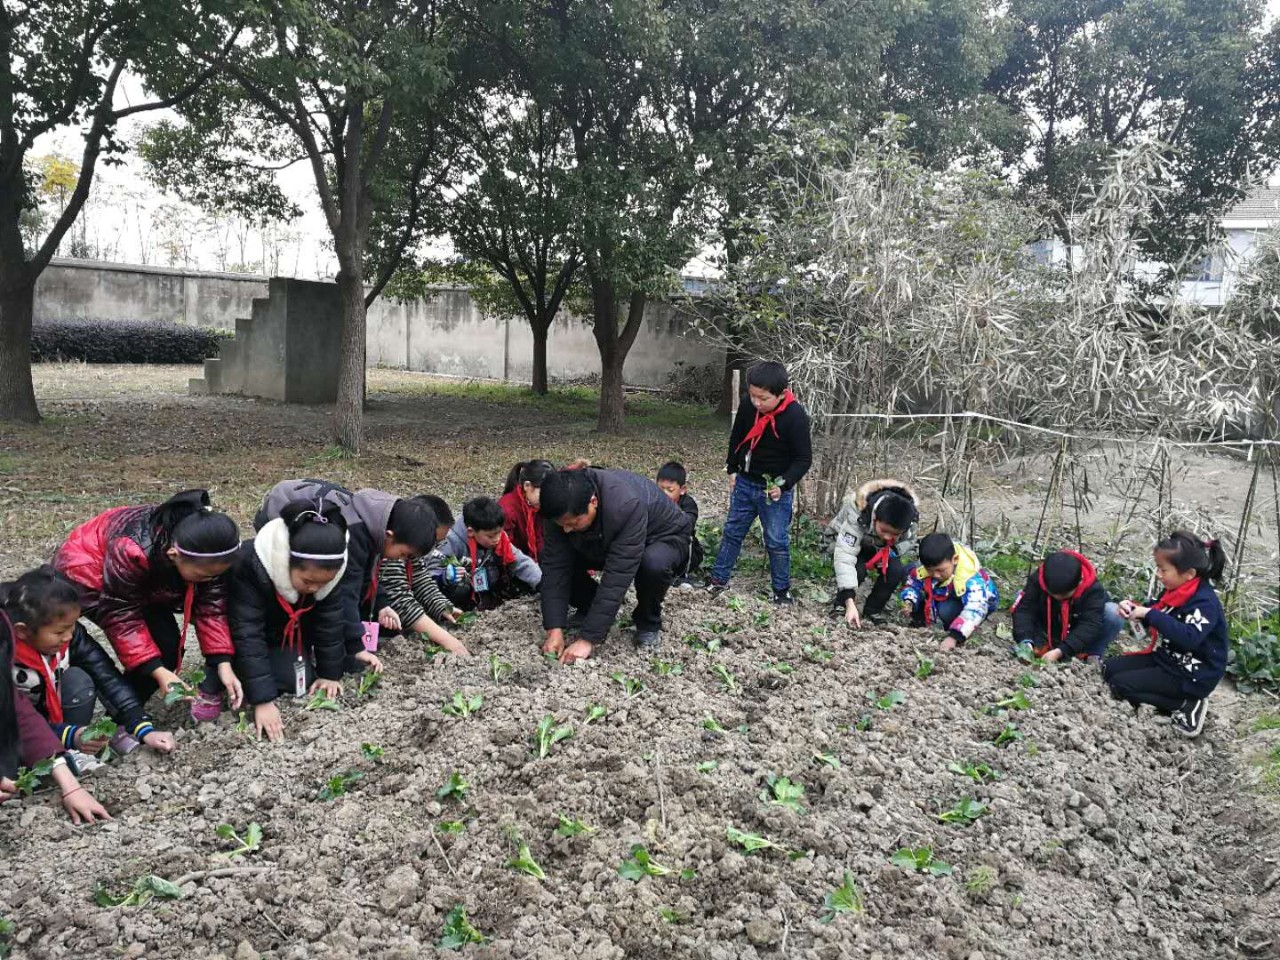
(6,938)
(1025,653)
(452,828)
(688,873)
(782,792)
(594,712)
(1008,734)
(455,788)
(322,701)
(548,735)
(694,642)
(780,667)
(846,898)
(368,682)
(830,759)
(185,688)
(339,785)
(964,812)
(638,865)
(104,728)
(818,654)
(1028,681)
(144,890)
(977,772)
(458,931)
(251,842)
(890,700)
(466,618)
(736,604)
(980,881)
(243,726)
(728,682)
(710,723)
(431,650)
(632,685)
(572,828)
(707,766)
(372,753)
(667,668)
(864,722)
(29,778)
(1266,721)
(673,917)
(463,706)
(751,842)
(551,656)
(924,667)
(1014,701)
(722,629)
(761,619)
(920,860)
(499,669)
(523,862)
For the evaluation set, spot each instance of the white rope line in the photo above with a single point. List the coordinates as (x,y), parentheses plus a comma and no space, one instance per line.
(1052,431)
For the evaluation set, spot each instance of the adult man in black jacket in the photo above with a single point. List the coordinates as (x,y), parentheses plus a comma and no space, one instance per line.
(622,525)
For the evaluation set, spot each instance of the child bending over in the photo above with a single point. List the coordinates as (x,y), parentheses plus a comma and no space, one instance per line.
(949,588)
(414,596)
(1063,611)
(873,531)
(480,567)
(1188,651)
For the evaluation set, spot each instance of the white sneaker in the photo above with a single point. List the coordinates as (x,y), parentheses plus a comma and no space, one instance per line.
(84,762)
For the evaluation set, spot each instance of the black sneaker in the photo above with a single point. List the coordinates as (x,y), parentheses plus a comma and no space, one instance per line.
(783,598)
(713,589)
(648,640)
(1188,720)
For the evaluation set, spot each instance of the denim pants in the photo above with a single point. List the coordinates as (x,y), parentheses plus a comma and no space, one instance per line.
(747,502)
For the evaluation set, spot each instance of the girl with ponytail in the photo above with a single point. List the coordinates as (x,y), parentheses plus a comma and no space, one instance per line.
(137,567)
(1187,655)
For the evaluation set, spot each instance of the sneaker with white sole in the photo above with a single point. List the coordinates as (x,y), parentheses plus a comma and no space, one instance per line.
(713,589)
(83,763)
(1188,720)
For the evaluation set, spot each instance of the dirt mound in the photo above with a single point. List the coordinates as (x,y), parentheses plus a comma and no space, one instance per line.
(1102,837)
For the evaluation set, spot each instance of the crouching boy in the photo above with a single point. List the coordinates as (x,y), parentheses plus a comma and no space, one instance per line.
(949,589)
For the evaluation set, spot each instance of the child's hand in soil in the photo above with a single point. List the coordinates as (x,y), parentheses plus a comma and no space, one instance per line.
(851,614)
(89,746)
(1052,656)
(332,688)
(907,611)
(948,644)
(231,683)
(160,741)
(266,717)
(82,807)
(578,650)
(8,789)
(370,660)
(388,619)
(554,642)
(166,678)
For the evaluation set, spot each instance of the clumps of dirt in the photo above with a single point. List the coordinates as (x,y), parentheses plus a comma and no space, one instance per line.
(1101,835)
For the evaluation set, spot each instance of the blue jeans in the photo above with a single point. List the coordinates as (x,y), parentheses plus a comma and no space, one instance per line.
(748,501)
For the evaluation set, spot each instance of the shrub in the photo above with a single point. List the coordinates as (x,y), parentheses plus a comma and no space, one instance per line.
(691,383)
(122,341)
(1254,659)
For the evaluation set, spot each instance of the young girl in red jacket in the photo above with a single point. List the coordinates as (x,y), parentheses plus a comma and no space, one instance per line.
(138,566)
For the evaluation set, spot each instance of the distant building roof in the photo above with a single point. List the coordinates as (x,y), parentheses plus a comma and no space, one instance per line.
(1262,204)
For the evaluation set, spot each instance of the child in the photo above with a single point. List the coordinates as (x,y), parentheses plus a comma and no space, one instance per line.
(479,567)
(53,655)
(286,610)
(519,502)
(380,527)
(136,566)
(949,588)
(770,450)
(417,600)
(673,480)
(26,739)
(1188,652)
(1063,611)
(873,531)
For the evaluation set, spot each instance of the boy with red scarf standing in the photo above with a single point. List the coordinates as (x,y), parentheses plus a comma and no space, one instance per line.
(1063,611)
(770,450)
(1188,651)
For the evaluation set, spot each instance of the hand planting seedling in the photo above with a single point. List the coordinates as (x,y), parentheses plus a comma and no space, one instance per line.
(924,667)
(830,759)
(572,828)
(184,688)
(466,618)
(547,735)
(638,865)
(322,701)
(455,788)
(631,685)
(707,766)
(710,723)
(243,726)
(551,657)
(594,712)
(667,915)
(964,812)
(250,843)
(499,669)
(458,931)
(728,682)
(339,785)
(28,778)
(977,772)
(368,681)
(890,700)
(144,890)
(373,754)
(430,650)
(104,728)
(666,668)
(846,898)
(1014,701)
(463,706)
(782,792)
(523,862)
(920,860)
(1009,734)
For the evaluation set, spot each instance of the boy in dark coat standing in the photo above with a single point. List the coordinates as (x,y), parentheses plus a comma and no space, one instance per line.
(622,525)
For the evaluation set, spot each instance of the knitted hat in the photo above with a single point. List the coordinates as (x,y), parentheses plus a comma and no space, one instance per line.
(1062,573)
(894,509)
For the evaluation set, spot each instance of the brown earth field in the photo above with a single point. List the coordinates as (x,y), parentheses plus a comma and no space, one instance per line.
(1094,834)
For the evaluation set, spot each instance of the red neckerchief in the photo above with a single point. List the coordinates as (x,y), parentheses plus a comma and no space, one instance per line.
(188,601)
(1087,580)
(371,596)
(928,598)
(505,552)
(27,655)
(880,559)
(293,628)
(531,534)
(764,421)
(1170,600)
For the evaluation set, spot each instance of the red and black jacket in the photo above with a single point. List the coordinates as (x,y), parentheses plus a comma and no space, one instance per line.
(523,524)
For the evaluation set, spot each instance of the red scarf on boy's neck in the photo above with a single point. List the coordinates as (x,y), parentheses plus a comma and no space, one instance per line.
(766,420)
(880,559)
(1088,577)
(28,656)
(1171,600)
(505,552)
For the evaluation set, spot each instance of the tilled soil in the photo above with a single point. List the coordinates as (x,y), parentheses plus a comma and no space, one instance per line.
(1105,836)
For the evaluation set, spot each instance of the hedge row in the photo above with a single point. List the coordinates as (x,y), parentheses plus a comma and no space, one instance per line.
(122,341)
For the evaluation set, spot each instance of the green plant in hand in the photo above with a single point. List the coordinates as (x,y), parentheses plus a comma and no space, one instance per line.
(639,864)
(144,890)
(964,812)
(572,828)
(455,788)
(458,931)
(547,735)
(977,772)
(104,728)
(339,785)
(463,706)
(523,862)
(320,700)
(184,688)
(251,842)
(920,860)
(782,792)
(29,778)
(846,898)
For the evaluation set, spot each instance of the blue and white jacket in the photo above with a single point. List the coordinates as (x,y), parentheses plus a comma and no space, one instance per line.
(1191,640)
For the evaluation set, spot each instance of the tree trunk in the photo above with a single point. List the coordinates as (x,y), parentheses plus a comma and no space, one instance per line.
(348,409)
(613,412)
(540,335)
(17,394)
(725,407)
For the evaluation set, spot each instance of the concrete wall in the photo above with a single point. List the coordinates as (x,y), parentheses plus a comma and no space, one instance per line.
(445,334)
